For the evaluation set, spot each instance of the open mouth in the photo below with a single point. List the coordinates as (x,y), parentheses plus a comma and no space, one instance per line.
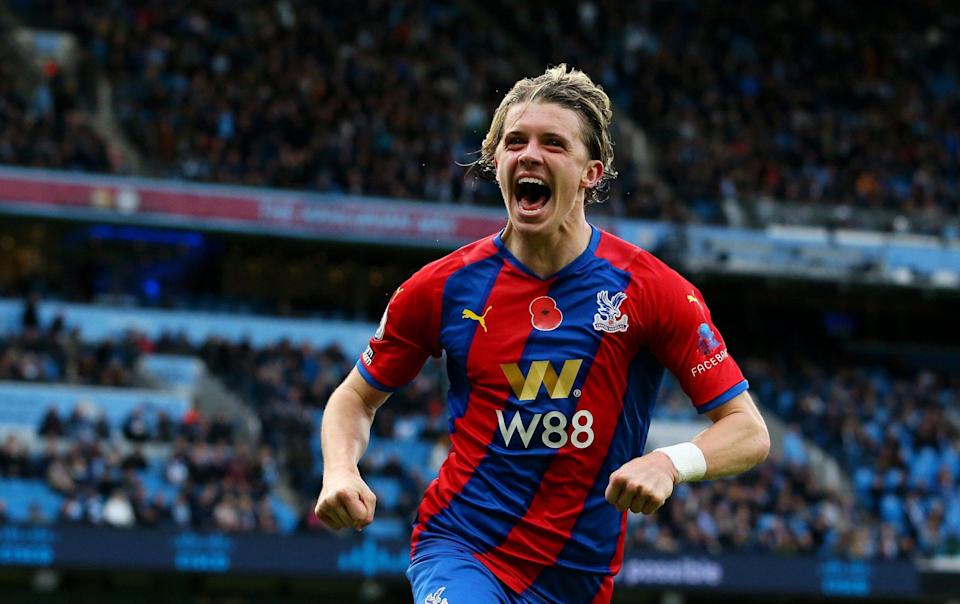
(532,194)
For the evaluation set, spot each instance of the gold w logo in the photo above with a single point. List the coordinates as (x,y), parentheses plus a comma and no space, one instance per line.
(526,387)
(469,314)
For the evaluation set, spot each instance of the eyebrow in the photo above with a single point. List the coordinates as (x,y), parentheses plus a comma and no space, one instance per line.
(543,135)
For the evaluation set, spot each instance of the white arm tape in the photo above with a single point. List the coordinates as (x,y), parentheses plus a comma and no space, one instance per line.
(688,459)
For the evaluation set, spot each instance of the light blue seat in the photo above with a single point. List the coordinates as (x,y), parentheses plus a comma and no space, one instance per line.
(287,517)
(156,483)
(387,489)
(388,528)
(19,494)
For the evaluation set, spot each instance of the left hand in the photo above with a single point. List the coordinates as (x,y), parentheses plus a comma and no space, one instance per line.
(642,484)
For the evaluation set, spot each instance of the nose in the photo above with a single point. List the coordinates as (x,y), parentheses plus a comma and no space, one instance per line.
(531,154)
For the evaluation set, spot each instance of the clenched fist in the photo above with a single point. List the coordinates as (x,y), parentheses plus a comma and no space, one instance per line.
(642,484)
(345,501)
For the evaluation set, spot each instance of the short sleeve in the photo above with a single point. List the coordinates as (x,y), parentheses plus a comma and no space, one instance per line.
(407,335)
(687,342)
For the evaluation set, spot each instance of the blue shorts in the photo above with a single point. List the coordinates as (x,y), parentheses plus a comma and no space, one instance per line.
(455,576)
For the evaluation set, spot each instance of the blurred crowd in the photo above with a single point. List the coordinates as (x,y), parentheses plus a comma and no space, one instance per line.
(892,431)
(811,102)
(203,479)
(776,508)
(374,98)
(288,385)
(887,426)
(41,124)
(799,102)
(55,354)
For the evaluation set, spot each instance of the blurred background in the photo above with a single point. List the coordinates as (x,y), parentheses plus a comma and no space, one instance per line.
(204,208)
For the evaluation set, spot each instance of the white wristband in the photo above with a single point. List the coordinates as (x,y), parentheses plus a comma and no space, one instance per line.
(688,459)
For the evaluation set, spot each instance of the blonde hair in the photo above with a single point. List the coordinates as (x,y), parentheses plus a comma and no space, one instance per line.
(570,88)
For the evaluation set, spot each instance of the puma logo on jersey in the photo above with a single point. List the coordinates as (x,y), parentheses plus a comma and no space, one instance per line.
(692,299)
(481,319)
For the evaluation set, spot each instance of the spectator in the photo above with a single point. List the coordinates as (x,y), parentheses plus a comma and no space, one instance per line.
(51,425)
(118,511)
(13,457)
(226,515)
(180,511)
(135,460)
(101,425)
(31,318)
(59,478)
(165,427)
(35,515)
(71,510)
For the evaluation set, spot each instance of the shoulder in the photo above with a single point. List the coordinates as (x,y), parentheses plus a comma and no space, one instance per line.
(436,273)
(657,288)
(616,251)
(641,264)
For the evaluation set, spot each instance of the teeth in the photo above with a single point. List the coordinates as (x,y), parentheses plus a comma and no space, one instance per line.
(531,180)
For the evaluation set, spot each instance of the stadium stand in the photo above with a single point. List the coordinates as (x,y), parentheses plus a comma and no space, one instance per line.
(331,113)
(814,142)
(731,116)
(889,433)
(54,354)
(822,103)
(41,124)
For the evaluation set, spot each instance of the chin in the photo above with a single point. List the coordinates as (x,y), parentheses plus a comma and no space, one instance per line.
(523,224)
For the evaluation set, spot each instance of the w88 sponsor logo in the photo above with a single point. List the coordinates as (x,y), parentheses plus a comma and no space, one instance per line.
(554,433)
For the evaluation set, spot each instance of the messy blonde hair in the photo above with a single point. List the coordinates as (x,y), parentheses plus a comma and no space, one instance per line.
(570,88)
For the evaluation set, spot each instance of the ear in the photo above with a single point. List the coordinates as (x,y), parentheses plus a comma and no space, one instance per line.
(592,173)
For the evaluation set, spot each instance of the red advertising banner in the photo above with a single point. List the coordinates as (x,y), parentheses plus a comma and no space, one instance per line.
(91,197)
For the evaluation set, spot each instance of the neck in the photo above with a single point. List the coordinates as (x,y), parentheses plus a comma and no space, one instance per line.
(546,254)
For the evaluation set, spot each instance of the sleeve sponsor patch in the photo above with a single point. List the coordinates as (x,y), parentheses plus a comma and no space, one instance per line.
(709,363)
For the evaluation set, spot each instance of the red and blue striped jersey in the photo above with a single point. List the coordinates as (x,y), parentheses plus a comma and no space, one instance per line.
(552,385)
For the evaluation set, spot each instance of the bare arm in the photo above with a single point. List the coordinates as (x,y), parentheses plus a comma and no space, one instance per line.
(345,500)
(345,431)
(737,440)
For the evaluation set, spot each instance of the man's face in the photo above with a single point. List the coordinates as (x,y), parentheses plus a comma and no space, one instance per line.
(543,167)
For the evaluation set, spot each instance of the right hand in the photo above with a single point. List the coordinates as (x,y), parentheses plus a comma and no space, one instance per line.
(345,501)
